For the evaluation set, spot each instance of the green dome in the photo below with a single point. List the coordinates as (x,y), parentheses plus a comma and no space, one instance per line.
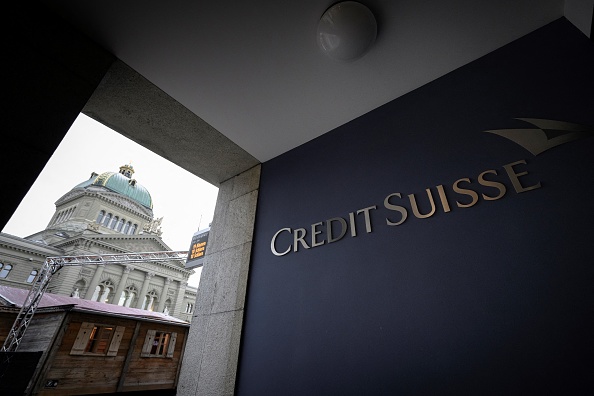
(120,183)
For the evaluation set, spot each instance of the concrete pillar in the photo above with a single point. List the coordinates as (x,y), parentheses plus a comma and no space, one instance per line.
(94,281)
(122,284)
(145,285)
(164,295)
(210,360)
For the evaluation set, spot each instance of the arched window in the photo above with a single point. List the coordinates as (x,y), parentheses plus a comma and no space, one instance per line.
(119,225)
(106,291)
(105,295)
(114,222)
(126,227)
(123,298)
(106,220)
(131,297)
(149,301)
(4,270)
(167,307)
(97,293)
(189,307)
(133,229)
(100,217)
(32,276)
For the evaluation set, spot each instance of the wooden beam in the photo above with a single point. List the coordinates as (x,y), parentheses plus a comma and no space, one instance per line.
(131,348)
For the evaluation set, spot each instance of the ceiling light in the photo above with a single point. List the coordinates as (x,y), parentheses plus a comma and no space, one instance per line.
(346,31)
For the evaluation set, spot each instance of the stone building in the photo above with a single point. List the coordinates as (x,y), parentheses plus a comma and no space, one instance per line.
(107,214)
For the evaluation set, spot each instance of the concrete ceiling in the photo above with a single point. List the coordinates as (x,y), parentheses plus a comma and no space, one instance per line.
(253,69)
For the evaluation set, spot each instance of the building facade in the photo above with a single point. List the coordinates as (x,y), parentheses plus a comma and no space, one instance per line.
(107,214)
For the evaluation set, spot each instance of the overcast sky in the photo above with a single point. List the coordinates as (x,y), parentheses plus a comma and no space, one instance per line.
(185,202)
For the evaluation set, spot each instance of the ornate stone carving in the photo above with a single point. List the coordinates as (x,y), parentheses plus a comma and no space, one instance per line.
(154,226)
(132,285)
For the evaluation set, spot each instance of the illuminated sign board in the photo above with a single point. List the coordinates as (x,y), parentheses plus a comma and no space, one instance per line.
(197,249)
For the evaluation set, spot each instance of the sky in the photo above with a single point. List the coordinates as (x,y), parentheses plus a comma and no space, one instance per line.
(185,201)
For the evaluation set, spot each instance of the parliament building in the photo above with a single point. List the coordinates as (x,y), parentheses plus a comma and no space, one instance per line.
(109,213)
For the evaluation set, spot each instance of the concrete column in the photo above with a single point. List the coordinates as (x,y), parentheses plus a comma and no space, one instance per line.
(145,285)
(121,284)
(94,281)
(210,360)
(164,295)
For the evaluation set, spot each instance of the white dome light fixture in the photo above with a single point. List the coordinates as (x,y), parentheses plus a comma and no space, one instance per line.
(346,31)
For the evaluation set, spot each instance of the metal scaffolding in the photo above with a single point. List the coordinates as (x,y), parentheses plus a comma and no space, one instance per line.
(53,265)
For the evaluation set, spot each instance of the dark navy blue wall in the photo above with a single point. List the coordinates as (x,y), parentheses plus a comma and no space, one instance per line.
(497,298)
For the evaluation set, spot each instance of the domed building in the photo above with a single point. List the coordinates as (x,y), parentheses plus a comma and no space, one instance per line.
(109,213)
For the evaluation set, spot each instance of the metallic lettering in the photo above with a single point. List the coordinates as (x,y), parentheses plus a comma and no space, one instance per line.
(298,236)
(272,243)
(415,208)
(489,183)
(514,177)
(335,233)
(365,212)
(315,232)
(444,200)
(401,209)
(464,191)
(343,229)
(353,224)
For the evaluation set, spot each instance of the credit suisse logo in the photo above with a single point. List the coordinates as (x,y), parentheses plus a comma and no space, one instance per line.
(463,193)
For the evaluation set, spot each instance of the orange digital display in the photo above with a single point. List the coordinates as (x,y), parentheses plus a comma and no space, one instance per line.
(198,246)
(197,250)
